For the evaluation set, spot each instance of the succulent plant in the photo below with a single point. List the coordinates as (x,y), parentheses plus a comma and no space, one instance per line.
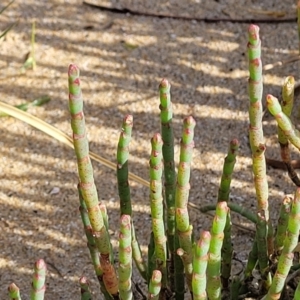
(177,264)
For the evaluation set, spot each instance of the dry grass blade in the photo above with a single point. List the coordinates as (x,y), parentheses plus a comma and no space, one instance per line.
(59,135)
(10,26)
(5,7)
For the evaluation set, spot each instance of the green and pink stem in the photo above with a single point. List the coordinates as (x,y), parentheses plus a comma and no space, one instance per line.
(223,195)
(183,227)
(14,292)
(86,181)
(200,261)
(157,209)
(286,257)
(257,144)
(38,282)
(125,258)
(124,188)
(85,289)
(166,117)
(214,260)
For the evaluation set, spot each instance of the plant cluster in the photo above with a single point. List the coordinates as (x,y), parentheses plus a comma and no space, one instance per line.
(178,265)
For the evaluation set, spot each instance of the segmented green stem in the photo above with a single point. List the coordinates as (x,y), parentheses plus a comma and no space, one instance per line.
(85,289)
(227,251)
(282,224)
(183,227)
(38,282)
(166,117)
(125,258)
(124,188)
(252,260)
(287,106)
(262,249)
(223,195)
(14,292)
(86,180)
(157,210)
(287,103)
(240,284)
(122,166)
(155,285)
(94,253)
(214,261)
(288,90)
(228,167)
(283,121)
(200,261)
(255,87)
(286,258)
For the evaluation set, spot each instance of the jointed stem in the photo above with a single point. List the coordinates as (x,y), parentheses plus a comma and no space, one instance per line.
(86,181)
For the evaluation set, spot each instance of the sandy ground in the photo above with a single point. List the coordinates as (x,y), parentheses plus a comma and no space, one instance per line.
(122,58)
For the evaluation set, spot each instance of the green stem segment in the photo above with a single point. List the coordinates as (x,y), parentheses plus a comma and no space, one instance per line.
(261,237)
(85,289)
(14,292)
(228,167)
(223,195)
(287,106)
(157,210)
(122,166)
(282,224)
(86,181)
(155,285)
(91,244)
(251,262)
(183,227)
(200,261)
(125,258)
(38,282)
(124,188)
(166,117)
(255,87)
(283,121)
(286,258)
(214,261)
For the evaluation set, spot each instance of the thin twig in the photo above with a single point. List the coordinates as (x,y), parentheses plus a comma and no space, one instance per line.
(278,164)
(54,267)
(293,275)
(126,10)
(281,63)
